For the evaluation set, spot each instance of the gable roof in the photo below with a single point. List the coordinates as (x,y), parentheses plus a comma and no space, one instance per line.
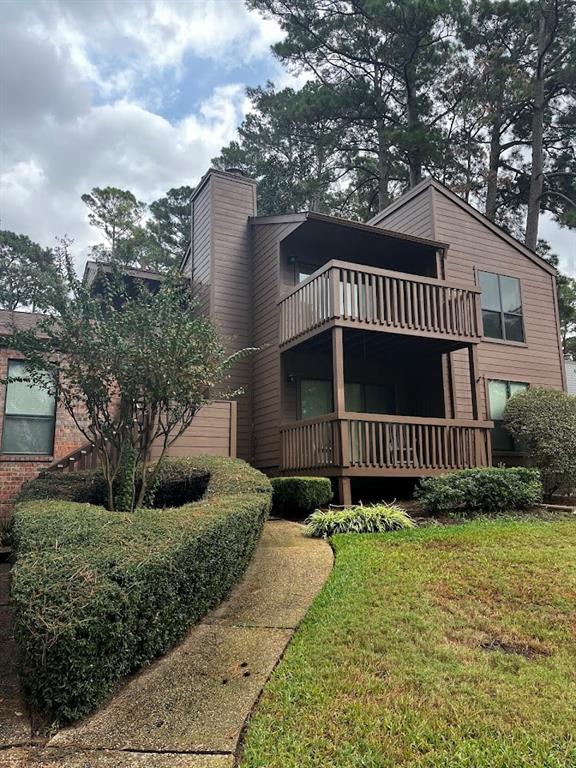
(433,184)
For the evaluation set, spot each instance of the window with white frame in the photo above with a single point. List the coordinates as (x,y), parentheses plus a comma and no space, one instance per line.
(29,414)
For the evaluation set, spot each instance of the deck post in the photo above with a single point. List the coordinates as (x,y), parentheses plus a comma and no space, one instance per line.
(344,491)
(473,363)
(338,372)
(481,459)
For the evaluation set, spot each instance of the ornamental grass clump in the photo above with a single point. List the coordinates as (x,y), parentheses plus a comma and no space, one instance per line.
(376,518)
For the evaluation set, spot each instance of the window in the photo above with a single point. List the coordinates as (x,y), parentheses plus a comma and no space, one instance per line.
(29,415)
(499,393)
(304,271)
(501,307)
(369,398)
(315,397)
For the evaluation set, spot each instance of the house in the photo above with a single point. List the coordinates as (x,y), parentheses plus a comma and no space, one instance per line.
(387,349)
(571,376)
(36,436)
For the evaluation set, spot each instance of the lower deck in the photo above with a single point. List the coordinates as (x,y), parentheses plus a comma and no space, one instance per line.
(362,405)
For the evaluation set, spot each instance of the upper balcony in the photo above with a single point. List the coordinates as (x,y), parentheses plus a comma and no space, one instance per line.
(369,298)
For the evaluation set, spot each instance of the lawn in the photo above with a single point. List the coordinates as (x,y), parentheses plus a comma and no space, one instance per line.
(445,647)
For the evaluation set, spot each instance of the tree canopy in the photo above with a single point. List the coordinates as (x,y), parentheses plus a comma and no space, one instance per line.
(480,94)
(148,236)
(29,274)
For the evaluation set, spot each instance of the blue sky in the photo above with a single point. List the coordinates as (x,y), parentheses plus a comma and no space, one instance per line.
(138,94)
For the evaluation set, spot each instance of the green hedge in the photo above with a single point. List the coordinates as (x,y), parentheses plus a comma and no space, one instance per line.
(297,496)
(475,491)
(97,594)
(178,482)
(87,486)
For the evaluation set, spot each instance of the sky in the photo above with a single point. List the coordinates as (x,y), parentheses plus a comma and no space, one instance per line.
(138,94)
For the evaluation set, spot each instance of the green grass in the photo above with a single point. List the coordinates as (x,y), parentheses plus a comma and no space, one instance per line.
(445,647)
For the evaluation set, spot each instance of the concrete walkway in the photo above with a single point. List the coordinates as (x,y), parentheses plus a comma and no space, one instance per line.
(188,709)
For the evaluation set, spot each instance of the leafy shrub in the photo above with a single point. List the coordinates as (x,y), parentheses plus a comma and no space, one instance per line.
(87,486)
(489,490)
(298,496)
(376,518)
(178,482)
(97,594)
(545,421)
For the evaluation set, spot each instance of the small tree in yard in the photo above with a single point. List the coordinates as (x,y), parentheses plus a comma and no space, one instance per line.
(131,367)
(545,421)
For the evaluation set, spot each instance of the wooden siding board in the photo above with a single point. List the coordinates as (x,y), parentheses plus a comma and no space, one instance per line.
(211,432)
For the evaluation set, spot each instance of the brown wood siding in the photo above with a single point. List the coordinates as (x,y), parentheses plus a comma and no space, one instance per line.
(211,432)
(414,218)
(475,247)
(266,363)
(233,202)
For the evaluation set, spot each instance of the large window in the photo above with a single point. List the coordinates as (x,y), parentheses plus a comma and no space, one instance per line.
(315,397)
(501,307)
(304,270)
(29,414)
(499,393)
(369,398)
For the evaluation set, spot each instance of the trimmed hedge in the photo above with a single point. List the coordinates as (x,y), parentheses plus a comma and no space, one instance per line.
(87,486)
(97,594)
(489,490)
(298,496)
(176,484)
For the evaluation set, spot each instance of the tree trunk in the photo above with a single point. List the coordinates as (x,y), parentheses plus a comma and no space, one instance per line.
(537,170)
(493,167)
(383,169)
(413,124)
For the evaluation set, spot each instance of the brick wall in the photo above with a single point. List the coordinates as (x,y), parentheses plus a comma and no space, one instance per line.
(16,469)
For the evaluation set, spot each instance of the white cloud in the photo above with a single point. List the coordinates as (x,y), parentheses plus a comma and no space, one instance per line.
(117,46)
(119,144)
(563,242)
(80,82)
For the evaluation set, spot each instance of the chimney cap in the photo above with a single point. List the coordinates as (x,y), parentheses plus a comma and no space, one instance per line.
(235,171)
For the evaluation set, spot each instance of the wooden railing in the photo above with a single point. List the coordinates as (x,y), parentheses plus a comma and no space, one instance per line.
(373,298)
(85,457)
(366,441)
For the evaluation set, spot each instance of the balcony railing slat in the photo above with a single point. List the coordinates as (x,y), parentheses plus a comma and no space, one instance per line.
(377,298)
(385,443)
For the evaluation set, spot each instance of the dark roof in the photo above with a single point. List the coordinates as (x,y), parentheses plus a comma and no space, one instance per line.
(349,223)
(93,267)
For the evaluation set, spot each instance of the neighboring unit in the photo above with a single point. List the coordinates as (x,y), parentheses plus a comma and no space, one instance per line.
(571,376)
(386,349)
(35,435)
